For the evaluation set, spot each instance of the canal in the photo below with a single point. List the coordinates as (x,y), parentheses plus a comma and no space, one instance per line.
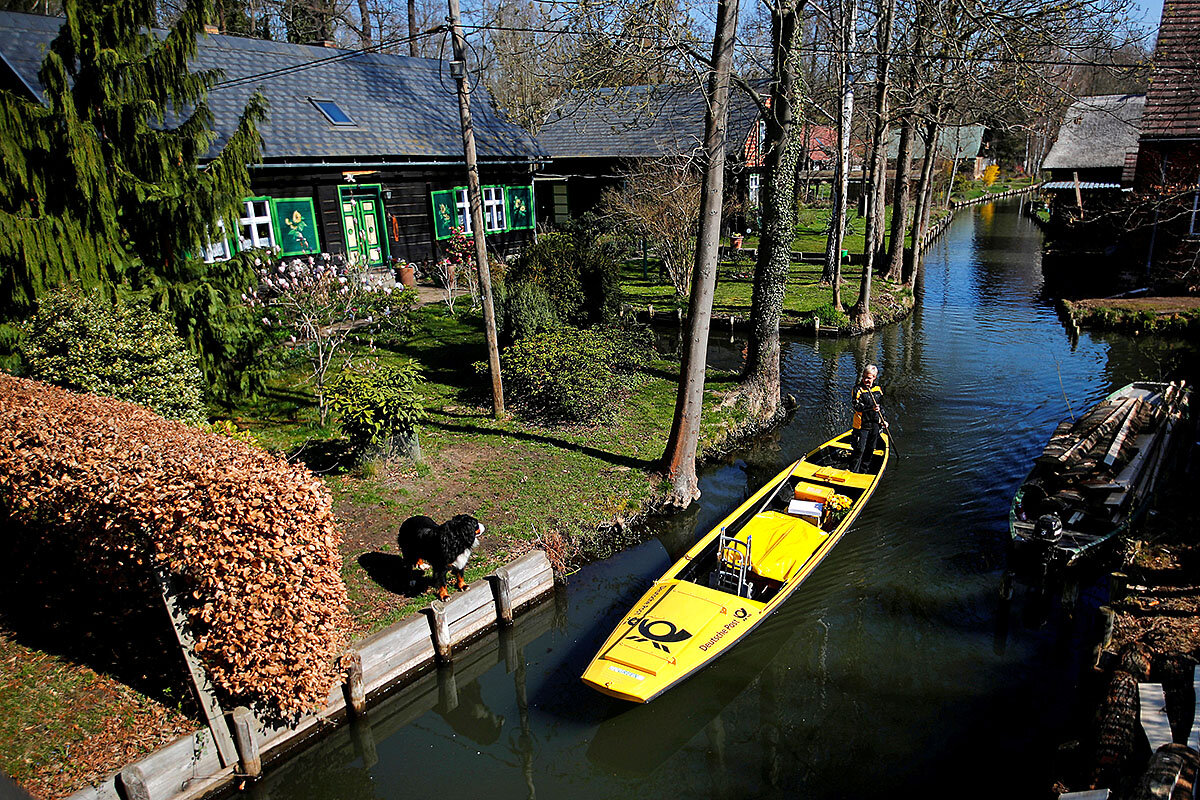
(893,671)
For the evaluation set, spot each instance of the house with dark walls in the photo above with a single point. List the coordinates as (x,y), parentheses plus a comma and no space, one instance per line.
(1166,180)
(595,139)
(362,152)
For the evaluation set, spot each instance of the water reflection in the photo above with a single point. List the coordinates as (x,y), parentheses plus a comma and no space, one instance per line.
(898,664)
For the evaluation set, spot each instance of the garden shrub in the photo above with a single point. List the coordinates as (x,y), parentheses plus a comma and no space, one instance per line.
(580,274)
(125,351)
(250,538)
(569,375)
(378,404)
(831,316)
(524,309)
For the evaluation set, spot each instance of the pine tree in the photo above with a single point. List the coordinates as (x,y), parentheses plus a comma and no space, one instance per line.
(103,183)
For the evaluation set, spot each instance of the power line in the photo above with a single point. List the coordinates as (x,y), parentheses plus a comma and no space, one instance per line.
(805,49)
(341,56)
(814,50)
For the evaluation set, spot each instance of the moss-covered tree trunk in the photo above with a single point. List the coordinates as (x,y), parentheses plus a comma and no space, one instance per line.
(901,203)
(782,145)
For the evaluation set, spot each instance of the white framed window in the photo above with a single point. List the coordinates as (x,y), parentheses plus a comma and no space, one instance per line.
(464,210)
(493,208)
(753,182)
(255,224)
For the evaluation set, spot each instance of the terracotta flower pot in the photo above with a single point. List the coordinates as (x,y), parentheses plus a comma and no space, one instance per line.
(406,275)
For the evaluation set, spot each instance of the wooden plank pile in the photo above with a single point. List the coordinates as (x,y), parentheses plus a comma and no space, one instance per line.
(1109,457)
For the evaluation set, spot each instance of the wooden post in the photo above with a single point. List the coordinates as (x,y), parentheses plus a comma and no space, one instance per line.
(440,628)
(247,745)
(1118,584)
(502,587)
(356,692)
(134,781)
(213,713)
(459,70)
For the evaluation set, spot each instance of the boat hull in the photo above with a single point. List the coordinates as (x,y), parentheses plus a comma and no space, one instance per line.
(692,615)
(1097,483)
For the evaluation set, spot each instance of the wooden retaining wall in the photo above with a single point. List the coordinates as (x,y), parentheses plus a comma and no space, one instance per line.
(190,767)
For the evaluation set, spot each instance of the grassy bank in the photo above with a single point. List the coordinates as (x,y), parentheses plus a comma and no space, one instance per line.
(1138,315)
(735,283)
(571,490)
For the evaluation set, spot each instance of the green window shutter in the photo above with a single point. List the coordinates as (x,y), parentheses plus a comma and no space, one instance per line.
(296,230)
(520,207)
(445,213)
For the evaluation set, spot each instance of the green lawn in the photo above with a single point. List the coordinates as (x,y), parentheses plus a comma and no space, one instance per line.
(561,488)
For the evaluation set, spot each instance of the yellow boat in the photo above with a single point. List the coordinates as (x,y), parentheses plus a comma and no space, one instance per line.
(735,576)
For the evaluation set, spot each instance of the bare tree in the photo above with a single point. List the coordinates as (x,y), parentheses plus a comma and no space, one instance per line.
(661,203)
(860,314)
(847,22)
(679,458)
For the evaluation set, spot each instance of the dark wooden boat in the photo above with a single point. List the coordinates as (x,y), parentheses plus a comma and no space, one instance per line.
(1096,475)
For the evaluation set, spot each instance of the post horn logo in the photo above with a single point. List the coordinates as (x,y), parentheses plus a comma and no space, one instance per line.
(659,632)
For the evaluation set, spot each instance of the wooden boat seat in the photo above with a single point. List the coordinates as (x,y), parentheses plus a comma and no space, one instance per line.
(780,544)
(832,476)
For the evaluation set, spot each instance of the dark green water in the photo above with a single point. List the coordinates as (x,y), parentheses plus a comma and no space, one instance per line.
(892,671)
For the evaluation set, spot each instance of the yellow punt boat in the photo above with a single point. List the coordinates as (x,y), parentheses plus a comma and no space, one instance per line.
(735,576)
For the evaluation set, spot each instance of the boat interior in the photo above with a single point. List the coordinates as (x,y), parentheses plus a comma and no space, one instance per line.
(757,553)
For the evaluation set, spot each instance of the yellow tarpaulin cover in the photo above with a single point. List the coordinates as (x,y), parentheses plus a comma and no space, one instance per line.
(780,544)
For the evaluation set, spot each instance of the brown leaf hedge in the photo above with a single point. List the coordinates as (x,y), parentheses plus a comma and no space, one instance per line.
(250,537)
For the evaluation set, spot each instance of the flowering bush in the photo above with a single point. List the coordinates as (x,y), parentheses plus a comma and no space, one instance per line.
(321,302)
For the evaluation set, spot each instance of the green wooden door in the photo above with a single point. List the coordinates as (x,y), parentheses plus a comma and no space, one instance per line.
(362,223)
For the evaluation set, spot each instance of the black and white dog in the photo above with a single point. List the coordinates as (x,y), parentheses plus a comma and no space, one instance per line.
(423,542)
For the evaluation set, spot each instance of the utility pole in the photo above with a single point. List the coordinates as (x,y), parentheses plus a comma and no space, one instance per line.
(459,70)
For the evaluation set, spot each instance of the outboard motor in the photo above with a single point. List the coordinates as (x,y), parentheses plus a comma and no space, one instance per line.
(1049,528)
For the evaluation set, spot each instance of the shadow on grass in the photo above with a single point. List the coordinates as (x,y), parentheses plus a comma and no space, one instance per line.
(596,453)
(389,573)
(112,621)
(325,456)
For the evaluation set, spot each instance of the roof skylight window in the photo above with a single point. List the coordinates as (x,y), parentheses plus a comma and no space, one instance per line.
(332,111)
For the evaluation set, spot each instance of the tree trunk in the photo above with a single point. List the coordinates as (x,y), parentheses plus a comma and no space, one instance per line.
(364,20)
(860,315)
(837,215)
(782,145)
(901,201)
(679,458)
(924,198)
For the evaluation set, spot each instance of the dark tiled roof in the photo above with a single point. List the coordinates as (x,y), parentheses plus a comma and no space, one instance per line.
(403,107)
(1097,132)
(640,122)
(1173,99)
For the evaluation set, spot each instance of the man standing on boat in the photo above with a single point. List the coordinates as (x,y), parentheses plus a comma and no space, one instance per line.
(865,400)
